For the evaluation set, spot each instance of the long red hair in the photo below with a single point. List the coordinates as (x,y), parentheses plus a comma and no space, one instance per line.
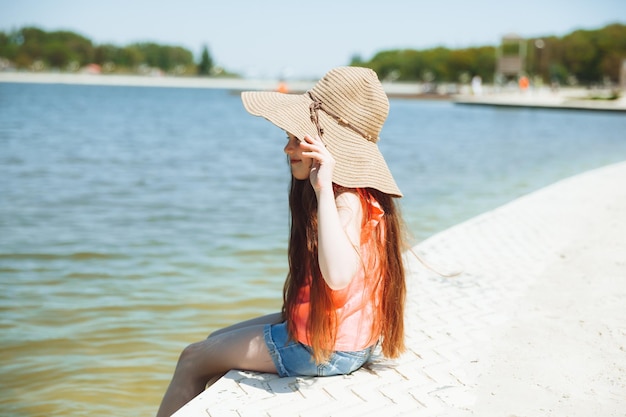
(303,264)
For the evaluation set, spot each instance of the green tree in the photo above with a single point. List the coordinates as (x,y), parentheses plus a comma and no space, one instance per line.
(206,62)
(356,60)
(106,53)
(580,56)
(9,45)
(57,55)
(130,57)
(77,47)
(590,56)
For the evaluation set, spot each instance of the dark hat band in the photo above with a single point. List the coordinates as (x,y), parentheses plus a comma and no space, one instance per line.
(318,105)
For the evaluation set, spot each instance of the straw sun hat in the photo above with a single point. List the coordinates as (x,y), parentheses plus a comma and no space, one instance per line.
(346,109)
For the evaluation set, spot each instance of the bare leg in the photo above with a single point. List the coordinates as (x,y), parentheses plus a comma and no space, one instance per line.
(241,346)
(273,318)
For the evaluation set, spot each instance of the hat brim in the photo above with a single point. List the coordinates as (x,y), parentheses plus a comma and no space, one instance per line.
(359,162)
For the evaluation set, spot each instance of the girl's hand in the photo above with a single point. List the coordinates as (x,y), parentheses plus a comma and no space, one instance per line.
(321,175)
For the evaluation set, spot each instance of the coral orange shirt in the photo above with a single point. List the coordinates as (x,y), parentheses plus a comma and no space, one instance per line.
(358,306)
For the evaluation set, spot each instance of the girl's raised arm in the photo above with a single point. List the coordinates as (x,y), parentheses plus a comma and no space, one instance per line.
(339,231)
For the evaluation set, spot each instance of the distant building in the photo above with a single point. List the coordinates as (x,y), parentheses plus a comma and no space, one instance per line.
(93,69)
(510,58)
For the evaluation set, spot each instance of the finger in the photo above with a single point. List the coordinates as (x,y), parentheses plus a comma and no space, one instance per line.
(316,156)
(307,143)
(315,168)
(315,150)
(314,140)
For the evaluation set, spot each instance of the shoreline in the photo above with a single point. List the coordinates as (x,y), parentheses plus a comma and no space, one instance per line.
(564,99)
(137,80)
(236,85)
(568,100)
(533,322)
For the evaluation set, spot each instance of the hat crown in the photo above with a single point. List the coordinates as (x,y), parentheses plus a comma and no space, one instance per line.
(357,96)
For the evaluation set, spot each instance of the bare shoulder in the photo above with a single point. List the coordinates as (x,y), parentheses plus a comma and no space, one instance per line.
(349,206)
(347,198)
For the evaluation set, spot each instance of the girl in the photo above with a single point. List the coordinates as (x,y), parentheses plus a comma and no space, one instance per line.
(345,288)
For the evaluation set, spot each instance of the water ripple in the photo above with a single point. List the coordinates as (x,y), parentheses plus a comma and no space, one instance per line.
(131,223)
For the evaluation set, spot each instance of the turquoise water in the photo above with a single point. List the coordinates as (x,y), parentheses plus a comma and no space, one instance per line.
(136,220)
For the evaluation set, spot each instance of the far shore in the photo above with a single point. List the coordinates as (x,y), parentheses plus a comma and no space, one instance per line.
(140,80)
(564,98)
(229,83)
(399,89)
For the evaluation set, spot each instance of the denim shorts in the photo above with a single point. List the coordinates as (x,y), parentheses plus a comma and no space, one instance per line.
(293,358)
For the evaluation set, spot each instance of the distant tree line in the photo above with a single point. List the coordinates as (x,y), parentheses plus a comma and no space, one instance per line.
(35,49)
(432,65)
(583,56)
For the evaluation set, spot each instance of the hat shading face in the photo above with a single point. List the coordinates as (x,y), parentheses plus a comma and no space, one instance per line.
(300,164)
(347,109)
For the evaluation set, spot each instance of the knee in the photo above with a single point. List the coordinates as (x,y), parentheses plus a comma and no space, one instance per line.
(189,357)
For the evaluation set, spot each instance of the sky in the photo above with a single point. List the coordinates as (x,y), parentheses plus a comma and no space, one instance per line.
(304,39)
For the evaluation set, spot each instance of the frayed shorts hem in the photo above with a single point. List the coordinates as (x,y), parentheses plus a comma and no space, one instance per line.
(293,358)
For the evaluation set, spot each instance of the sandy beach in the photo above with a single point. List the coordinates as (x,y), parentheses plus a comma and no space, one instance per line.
(534,324)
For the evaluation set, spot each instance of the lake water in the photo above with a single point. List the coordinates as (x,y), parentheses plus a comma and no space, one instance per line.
(134,221)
